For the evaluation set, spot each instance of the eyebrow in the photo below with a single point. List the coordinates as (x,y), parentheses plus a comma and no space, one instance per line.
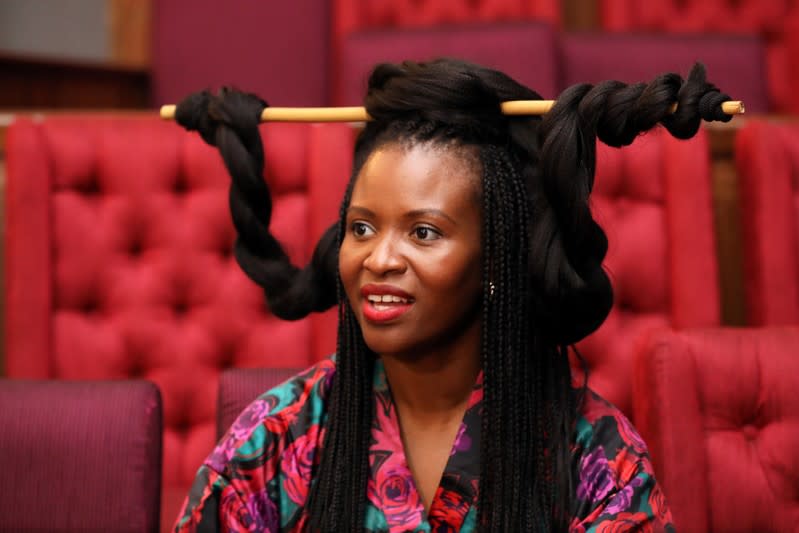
(410,214)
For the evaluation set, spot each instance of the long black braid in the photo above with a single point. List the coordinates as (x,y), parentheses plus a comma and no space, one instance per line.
(544,287)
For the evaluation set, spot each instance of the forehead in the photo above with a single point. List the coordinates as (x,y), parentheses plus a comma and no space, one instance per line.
(419,173)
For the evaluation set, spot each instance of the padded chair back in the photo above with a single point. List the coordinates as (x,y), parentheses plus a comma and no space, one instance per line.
(654,201)
(118,261)
(767,160)
(238,387)
(80,456)
(719,411)
(509,47)
(775,21)
(735,63)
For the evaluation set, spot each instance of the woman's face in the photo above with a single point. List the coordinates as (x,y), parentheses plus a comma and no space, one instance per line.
(410,260)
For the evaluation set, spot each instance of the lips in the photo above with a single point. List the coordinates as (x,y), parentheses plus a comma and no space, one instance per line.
(384,303)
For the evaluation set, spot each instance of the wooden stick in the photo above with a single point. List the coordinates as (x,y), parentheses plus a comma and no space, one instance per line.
(358,114)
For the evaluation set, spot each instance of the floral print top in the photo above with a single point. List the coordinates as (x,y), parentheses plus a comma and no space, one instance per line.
(258,477)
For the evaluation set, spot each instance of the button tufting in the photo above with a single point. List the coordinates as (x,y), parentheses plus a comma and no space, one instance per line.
(91,187)
(180,186)
(750,431)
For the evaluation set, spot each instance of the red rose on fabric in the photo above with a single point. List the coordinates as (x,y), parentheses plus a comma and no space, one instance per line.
(297,460)
(448,509)
(657,500)
(626,522)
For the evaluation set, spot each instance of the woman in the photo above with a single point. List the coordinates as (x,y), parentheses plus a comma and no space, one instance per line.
(465,262)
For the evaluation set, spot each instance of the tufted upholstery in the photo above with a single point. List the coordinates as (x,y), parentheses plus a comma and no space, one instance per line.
(653,200)
(775,20)
(735,63)
(118,242)
(506,47)
(767,160)
(80,456)
(719,411)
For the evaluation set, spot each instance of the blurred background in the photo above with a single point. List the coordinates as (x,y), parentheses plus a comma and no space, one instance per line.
(68,67)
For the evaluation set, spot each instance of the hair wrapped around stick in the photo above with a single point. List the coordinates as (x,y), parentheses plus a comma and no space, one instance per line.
(542,249)
(230,121)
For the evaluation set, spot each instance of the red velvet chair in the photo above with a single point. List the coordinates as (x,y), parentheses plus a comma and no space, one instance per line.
(508,47)
(238,387)
(776,21)
(654,200)
(719,410)
(767,160)
(118,262)
(377,17)
(80,456)
(735,63)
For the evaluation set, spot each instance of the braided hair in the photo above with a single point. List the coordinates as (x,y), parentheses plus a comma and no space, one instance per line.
(544,287)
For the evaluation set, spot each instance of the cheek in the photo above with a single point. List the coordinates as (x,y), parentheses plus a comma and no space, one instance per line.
(453,274)
(348,267)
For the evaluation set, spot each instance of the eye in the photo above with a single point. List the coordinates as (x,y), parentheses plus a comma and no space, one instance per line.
(361,229)
(426,233)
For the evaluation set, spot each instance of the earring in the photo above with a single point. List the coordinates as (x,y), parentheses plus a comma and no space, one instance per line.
(491,288)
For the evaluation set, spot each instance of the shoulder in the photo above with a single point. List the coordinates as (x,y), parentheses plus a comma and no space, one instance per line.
(614,477)
(600,423)
(296,406)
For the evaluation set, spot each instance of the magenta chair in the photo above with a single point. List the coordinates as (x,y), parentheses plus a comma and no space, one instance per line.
(80,456)
(238,387)
(719,410)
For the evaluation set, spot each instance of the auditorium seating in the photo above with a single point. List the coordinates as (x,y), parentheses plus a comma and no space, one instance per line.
(80,456)
(719,411)
(767,160)
(118,262)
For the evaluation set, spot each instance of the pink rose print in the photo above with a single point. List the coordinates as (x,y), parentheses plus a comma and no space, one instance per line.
(398,498)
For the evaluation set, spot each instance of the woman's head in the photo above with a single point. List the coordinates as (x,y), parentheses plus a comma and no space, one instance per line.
(410,257)
(536,284)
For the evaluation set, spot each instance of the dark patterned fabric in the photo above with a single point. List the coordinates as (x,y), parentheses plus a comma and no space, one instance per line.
(258,477)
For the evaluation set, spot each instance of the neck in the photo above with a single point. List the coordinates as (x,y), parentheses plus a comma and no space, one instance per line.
(436,384)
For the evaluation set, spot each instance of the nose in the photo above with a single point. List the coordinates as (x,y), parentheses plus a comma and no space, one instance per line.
(384,257)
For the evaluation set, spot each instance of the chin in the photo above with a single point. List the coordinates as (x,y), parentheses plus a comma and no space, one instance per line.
(385,342)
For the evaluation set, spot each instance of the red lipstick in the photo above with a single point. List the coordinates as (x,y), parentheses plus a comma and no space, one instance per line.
(384,311)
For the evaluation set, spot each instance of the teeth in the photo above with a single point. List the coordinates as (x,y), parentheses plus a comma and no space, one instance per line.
(386,298)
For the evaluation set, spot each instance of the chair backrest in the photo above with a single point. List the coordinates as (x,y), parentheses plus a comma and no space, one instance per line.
(238,387)
(80,456)
(776,21)
(720,413)
(767,160)
(119,265)
(653,199)
(448,17)
(735,63)
(525,50)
